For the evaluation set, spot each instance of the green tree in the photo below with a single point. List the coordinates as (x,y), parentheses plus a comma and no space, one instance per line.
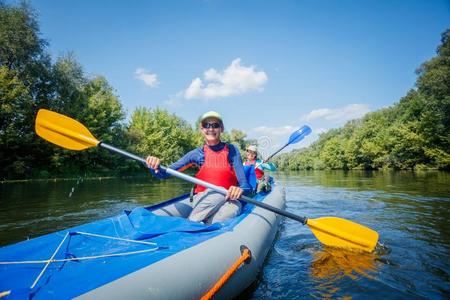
(26,75)
(434,86)
(70,82)
(14,99)
(332,154)
(159,133)
(406,146)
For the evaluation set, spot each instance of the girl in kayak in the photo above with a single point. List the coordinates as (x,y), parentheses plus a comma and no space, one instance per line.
(263,181)
(220,164)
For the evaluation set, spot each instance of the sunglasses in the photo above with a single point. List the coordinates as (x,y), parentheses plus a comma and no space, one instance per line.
(211,125)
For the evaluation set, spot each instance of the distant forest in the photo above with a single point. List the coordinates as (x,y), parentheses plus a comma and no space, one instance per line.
(411,134)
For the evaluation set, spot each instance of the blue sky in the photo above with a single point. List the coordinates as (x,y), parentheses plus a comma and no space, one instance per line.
(267,66)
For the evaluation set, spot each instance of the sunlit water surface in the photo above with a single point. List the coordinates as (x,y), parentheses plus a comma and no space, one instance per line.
(410,211)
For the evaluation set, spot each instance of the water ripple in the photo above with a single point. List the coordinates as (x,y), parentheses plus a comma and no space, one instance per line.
(411,261)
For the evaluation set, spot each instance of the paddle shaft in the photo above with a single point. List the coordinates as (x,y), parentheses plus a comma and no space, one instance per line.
(267,159)
(213,187)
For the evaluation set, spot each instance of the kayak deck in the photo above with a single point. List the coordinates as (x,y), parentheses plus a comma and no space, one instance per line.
(94,254)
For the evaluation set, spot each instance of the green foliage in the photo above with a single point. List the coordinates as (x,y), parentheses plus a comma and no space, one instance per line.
(14,108)
(103,111)
(25,85)
(412,134)
(69,82)
(159,133)
(332,154)
(19,35)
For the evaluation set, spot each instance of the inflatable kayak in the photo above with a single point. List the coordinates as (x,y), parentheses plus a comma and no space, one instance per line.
(152,252)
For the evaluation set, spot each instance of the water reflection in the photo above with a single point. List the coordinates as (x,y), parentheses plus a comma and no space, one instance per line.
(334,264)
(331,266)
(30,209)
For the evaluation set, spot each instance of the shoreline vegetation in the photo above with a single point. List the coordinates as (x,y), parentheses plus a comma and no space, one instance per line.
(140,174)
(413,134)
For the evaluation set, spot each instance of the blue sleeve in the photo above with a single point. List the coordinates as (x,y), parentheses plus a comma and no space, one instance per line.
(190,158)
(236,161)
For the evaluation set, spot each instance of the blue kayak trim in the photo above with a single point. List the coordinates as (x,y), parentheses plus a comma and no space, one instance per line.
(70,279)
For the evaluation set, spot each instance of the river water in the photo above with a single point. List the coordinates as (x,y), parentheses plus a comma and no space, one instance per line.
(410,211)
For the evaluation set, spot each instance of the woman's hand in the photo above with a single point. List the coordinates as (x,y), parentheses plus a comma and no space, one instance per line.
(234,193)
(153,163)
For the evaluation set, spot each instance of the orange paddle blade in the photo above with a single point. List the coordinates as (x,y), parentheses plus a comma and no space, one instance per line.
(341,233)
(63,131)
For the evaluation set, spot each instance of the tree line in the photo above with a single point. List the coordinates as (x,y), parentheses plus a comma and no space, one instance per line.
(29,80)
(411,134)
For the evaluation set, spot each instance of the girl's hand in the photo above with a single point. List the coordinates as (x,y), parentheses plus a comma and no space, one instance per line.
(234,193)
(153,163)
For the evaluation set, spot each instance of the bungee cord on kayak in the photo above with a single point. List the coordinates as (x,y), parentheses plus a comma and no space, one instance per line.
(68,234)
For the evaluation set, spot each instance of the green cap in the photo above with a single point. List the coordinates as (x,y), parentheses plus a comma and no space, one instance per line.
(211,114)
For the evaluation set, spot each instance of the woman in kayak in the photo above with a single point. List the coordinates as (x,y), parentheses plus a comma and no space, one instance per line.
(220,164)
(262,181)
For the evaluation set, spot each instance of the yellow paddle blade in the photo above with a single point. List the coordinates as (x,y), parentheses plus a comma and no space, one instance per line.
(63,131)
(337,232)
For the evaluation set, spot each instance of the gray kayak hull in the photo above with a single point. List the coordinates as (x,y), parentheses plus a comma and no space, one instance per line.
(189,274)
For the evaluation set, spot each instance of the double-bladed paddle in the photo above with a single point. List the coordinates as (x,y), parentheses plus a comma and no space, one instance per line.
(331,231)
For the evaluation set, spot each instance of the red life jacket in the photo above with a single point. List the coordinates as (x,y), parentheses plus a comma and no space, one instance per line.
(258,172)
(216,169)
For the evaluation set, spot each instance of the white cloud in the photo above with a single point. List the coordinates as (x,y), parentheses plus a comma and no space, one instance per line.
(148,78)
(281,130)
(318,113)
(346,113)
(236,79)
